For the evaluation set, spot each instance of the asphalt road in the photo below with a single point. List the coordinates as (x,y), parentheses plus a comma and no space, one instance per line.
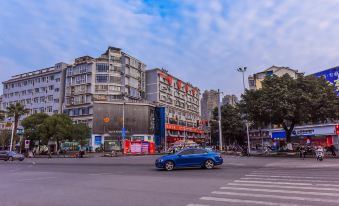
(127,181)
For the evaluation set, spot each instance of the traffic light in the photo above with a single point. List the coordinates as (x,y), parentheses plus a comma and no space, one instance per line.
(337,129)
(198,123)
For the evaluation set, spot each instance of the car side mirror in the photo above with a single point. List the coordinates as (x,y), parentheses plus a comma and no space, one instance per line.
(179,155)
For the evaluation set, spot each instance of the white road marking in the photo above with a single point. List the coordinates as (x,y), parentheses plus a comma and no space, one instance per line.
(284,176)
(284,187)
(295,174)
(276,196)
(292,180)
(100,174)
(273,183)
(196,205)
(37,178)
(281,191)
(247,201)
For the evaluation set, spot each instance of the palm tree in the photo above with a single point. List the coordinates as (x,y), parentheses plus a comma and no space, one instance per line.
(2,115)
(16,111)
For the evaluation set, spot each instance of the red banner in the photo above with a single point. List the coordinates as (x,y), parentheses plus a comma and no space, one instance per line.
(187,87)
(183,128)
(179,84)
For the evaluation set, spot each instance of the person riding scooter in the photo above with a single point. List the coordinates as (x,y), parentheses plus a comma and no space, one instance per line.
(319,153)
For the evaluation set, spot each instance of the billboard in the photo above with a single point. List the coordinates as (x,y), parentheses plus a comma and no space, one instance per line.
(332,76)
(159,130)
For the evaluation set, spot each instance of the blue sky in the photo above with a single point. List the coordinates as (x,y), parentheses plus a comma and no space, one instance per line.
(200,41)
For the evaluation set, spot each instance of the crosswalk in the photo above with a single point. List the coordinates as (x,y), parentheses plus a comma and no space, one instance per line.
(278,187)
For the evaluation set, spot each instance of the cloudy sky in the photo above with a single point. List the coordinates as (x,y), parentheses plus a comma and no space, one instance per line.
(202,41)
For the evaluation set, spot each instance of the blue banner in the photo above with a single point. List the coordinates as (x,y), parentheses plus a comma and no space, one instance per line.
(159,130)
(332,76)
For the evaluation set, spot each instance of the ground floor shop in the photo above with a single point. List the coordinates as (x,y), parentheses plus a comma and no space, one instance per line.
(324,135)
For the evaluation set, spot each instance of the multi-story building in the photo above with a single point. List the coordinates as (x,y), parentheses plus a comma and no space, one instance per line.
(209,102)
(331,75)
(181,102)
(40,91)
(107,87)
(230,100)
(254,81)
(114,76)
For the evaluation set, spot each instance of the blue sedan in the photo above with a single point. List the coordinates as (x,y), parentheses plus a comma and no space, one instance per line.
(192,157)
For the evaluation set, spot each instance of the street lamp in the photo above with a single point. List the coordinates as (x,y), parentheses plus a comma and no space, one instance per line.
(243,70)
(219,120)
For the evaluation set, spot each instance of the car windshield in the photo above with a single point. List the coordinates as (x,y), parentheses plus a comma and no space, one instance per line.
(185,152)
(12,153)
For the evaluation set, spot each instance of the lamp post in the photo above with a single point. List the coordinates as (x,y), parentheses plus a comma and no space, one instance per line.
(243,70)
(219,120)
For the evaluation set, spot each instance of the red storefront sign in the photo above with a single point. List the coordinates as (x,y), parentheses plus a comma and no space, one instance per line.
(183,128)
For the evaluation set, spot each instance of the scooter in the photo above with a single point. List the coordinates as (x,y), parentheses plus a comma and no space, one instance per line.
(319,154)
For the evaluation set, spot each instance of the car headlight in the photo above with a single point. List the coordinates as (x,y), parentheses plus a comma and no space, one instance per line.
(161,160)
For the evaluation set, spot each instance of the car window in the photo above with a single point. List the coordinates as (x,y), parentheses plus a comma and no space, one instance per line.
(186,152)
(200,151)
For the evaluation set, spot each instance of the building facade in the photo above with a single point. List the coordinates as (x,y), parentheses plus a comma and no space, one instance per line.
(230,100)
(209,102)
(39,91)
(181,102)
(254,81)
(113,77)
(332,76)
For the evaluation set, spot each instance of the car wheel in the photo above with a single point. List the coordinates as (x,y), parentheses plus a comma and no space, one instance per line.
(169,165)
(21,160)
(10,159)
(209,164)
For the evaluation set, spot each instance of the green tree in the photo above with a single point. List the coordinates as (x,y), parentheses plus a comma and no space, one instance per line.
(32,125)
(286,102)
(5,136)
(2,115)
(231,123)
(81,133)
(56,128)
(15,111)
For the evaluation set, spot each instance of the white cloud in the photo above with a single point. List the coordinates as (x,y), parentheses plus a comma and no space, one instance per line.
(200,41)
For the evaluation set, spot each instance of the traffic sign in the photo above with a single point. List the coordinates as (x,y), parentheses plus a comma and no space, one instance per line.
(123,133)
(106,119)
(27,142)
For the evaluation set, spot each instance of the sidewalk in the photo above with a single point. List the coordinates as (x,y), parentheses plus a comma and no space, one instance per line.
(278,154)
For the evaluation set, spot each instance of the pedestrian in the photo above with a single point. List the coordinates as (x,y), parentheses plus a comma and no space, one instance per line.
(332,149)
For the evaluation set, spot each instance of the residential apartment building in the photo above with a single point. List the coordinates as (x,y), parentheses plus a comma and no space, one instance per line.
(254,81)
(230,100)
(209,102)
(181,102)
(40,91)
(113,77)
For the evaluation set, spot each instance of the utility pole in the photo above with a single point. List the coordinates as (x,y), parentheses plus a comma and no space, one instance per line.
(219,121)
(243,70)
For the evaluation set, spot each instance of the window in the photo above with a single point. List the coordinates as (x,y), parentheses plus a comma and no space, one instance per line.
(101,78)
(57,79)
(99,88)
(56,100)
(36,100)
(200,151)
(56,89)
(51,87)
(28,101)
(114,79)
(81,79)
(43,89)
(42,109)
(50,98)
(186,152)
(42,99)
(49,109)
(52,77)
(102,67)
(43,79)
(114,88)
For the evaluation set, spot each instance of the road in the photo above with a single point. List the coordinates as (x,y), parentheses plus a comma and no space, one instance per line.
(129,181)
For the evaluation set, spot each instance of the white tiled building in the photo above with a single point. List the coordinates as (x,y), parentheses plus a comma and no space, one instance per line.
(40,90)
